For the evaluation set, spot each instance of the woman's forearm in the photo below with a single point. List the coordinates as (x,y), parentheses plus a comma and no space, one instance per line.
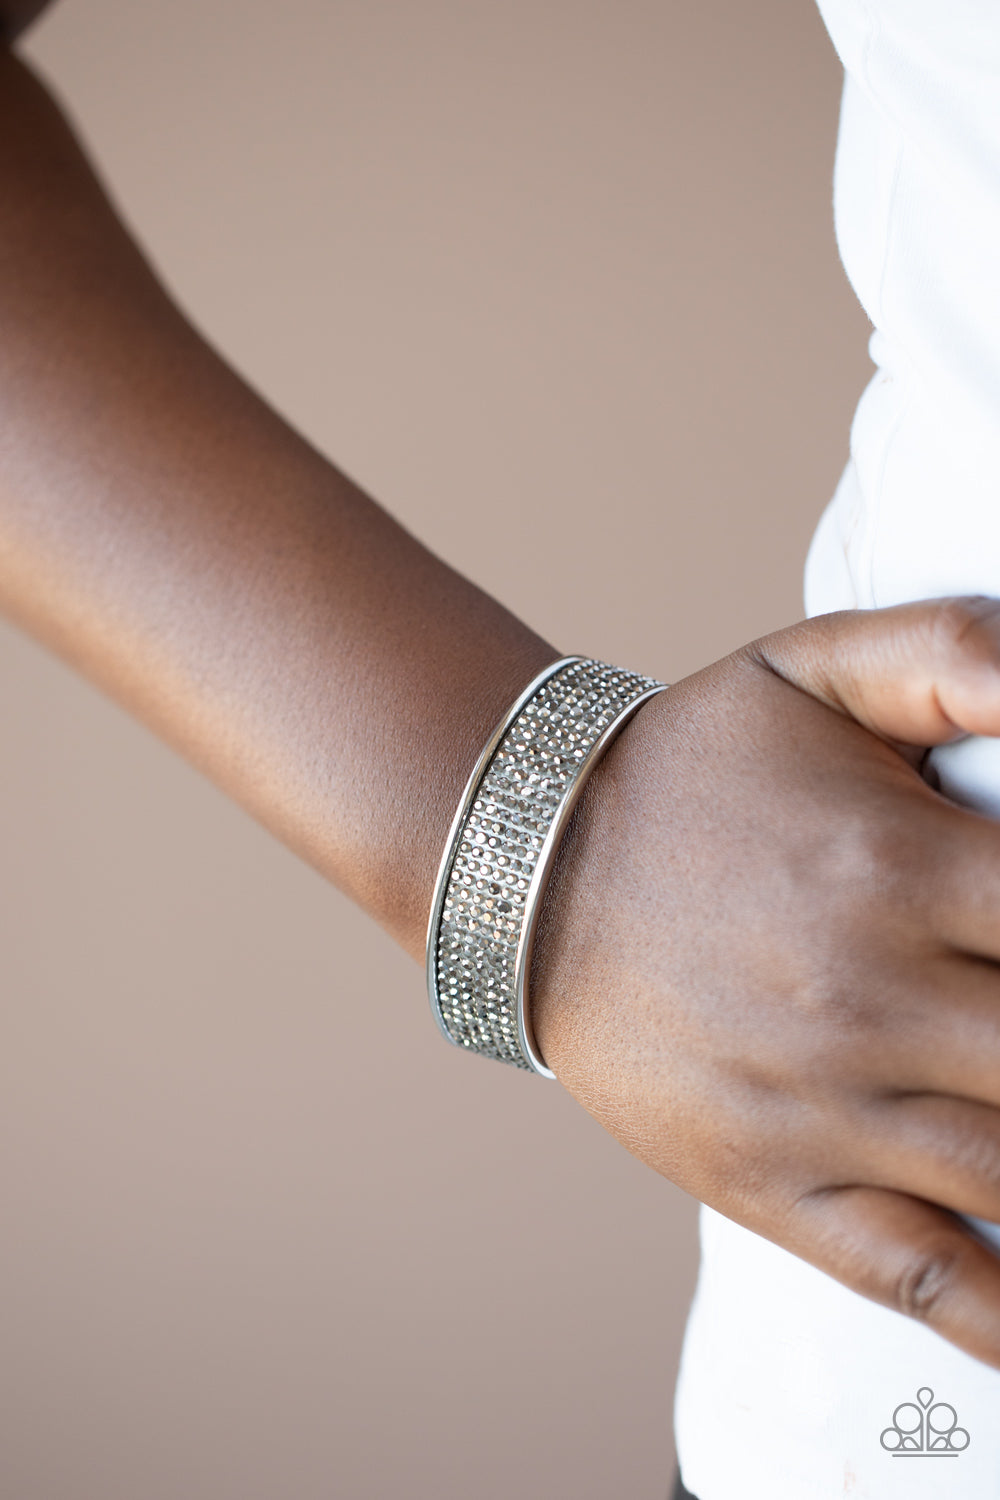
(167,533)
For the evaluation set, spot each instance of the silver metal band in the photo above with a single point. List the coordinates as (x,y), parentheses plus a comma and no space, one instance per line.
(502,845)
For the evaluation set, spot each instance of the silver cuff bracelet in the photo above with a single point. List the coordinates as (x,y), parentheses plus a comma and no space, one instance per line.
(502,845)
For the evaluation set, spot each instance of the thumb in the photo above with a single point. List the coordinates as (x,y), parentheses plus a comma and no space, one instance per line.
(919,674)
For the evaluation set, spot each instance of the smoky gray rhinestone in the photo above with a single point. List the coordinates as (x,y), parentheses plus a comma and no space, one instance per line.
(495,850)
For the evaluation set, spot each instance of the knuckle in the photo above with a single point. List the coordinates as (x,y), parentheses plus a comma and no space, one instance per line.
(870,855)
(854,1020)
(972,1158)
(966,623)
(927,1280)
(855,1028)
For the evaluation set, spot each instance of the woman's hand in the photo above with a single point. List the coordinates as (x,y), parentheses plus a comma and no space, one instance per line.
(768,955)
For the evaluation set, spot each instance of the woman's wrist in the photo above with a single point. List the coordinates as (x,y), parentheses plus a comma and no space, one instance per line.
(465,697)
(502,844)
(569,970)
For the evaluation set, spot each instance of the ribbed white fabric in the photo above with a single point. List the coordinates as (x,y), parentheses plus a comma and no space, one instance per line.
(788,1379)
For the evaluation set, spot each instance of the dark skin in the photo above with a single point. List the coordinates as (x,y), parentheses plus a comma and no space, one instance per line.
(17,15)
(768,954)
(168,533)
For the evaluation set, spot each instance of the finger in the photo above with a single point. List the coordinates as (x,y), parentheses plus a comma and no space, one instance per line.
(909,1255)
(933,866)
(921,673)
(937,1147)
(962,872)
(932,1027)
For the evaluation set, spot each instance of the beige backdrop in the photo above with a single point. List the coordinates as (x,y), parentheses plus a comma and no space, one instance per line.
(561,262)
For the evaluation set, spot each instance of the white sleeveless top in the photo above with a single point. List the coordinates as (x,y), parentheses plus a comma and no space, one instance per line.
(788,1380)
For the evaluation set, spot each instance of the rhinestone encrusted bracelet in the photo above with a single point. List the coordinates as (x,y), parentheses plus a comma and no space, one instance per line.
(501,847)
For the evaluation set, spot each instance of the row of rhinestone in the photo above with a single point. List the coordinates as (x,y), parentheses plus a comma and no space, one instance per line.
(531,774)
